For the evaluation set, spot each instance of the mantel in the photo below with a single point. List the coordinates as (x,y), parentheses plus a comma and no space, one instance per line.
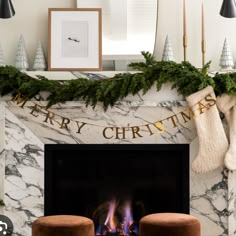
(69,75)
(26,130)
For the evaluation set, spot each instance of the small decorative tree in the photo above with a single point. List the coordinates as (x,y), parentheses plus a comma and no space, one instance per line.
(39,60)
(167,51)
(21,55)
(2,59)
(226,59)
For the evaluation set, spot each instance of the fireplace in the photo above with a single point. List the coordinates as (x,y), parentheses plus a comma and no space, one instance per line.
(116,184)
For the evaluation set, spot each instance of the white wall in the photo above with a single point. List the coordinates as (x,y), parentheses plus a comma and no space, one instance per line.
(30,21)
(216,29)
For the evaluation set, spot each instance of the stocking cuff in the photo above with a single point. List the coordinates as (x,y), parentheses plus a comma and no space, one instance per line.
(225,102)
(194,98)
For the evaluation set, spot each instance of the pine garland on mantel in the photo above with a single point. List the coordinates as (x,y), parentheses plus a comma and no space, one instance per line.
(186,78)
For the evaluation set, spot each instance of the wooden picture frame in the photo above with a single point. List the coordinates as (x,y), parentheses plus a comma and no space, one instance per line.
(74,39)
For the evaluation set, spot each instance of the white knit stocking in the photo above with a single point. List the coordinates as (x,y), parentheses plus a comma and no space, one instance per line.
(226,104)
(213,143)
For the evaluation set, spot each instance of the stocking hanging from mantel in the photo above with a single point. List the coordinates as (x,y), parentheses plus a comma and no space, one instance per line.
(227,105)
(213,142)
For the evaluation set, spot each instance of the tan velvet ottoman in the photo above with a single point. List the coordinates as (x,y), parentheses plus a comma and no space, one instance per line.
(169,224)
(63,225)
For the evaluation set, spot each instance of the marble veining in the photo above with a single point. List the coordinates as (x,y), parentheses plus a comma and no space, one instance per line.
(2,154)
(23,175)
(212,195)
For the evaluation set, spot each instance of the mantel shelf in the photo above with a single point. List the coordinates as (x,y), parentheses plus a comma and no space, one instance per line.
(68,75)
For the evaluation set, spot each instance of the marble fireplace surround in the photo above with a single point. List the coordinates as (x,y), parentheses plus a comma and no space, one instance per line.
(22,139)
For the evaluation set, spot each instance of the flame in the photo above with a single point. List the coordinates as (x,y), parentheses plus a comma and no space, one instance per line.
(128,218)
(114,225)
(110,220)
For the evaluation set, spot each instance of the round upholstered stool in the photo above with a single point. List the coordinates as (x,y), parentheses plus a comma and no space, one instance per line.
(63,225)
(169,224)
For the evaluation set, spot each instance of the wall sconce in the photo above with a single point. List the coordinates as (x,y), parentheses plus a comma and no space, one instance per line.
(228,9)
(6,9)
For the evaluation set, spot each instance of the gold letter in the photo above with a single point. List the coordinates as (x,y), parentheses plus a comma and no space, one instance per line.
(186,117)
(50,116)
(80,126)
(209,98)
(122,132)
(19,99)
(201,107)
(135,130)
(36,108)
(149,129)
(172,120)
(64,123)
(104,133)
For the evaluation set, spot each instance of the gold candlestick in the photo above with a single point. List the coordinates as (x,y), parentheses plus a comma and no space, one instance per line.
(203,52)
(203,38)
(184,31)
(185,47)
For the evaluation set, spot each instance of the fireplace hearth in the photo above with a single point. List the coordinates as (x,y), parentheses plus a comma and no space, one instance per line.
(116,184)
(211,197)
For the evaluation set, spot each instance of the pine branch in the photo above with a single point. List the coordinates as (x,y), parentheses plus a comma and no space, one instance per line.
(186,78)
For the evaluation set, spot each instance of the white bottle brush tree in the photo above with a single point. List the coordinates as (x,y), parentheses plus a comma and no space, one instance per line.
(39,60)
(21,55)
(167,51)
(226,59)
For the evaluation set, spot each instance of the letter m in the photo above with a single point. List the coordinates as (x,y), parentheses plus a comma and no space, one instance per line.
(19,98)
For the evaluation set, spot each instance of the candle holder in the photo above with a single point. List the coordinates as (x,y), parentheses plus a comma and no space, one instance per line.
(184,30)
(203,52)
(185,47)
(203,38)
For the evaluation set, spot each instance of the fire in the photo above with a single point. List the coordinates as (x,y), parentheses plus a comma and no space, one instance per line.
(110,221)
(128,218)
(121,224)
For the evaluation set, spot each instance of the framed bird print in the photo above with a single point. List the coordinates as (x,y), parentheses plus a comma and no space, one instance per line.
(75,41)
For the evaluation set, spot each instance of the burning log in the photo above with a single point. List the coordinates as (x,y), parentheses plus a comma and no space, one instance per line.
(118,224)
(119,231)
(114,234)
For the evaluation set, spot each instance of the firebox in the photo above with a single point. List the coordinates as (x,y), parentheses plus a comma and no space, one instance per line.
(116,184)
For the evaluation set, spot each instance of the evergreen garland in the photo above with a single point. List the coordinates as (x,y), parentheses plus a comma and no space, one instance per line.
(186,78)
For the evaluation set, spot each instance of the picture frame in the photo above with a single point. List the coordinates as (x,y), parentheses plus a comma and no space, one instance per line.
(74,39)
